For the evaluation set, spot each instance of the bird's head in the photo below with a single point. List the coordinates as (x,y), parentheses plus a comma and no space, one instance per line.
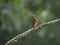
(35,16)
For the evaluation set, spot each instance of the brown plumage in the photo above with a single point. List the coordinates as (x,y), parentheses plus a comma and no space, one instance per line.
(35,21)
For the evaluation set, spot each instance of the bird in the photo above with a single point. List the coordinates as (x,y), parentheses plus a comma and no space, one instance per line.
(35,21)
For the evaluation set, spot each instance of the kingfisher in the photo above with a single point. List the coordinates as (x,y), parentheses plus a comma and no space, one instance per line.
(35,21)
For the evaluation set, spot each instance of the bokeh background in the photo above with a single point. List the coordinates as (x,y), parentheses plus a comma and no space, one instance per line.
(16,17)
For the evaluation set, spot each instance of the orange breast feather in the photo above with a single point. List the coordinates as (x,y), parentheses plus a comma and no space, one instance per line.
(35,22)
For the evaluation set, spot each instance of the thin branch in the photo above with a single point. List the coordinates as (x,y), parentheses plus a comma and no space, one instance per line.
(18,37)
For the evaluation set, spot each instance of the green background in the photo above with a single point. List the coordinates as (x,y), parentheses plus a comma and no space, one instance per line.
(16,17)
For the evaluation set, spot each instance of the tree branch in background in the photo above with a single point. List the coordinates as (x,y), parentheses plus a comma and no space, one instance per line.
(18,37)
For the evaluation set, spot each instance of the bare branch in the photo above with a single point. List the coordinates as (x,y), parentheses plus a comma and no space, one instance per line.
(18,37)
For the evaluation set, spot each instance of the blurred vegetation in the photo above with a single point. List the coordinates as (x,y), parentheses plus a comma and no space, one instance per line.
(16,17)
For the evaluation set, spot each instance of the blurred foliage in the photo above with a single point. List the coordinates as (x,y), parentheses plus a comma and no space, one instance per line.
(16,17)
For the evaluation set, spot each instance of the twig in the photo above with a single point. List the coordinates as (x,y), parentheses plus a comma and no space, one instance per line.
(18,37)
